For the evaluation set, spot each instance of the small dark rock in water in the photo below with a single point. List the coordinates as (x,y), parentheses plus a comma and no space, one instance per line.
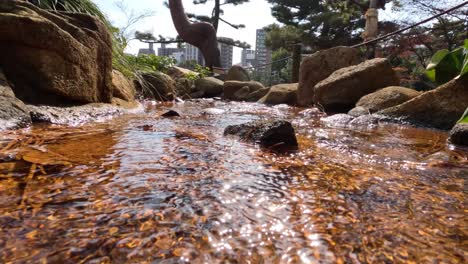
(170,113)
(459,134)
(270,134)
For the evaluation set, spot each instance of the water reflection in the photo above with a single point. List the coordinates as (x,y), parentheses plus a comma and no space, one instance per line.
(144,189)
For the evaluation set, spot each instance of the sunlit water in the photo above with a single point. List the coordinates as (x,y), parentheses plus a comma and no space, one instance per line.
(144,189)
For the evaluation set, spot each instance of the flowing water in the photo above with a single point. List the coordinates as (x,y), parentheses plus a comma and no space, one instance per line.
(144,189)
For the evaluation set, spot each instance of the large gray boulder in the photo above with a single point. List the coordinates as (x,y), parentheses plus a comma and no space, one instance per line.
(440,108)
(232,87)
(319,66)
(237,73)
(382,99)
(281,94)
(342,89)
(210,86)
(159,86)
(13,112)
(55,58)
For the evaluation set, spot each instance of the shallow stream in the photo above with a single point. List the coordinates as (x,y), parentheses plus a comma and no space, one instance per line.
(139,188)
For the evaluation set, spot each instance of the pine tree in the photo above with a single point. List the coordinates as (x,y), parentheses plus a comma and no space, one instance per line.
(324,23)
(216,15)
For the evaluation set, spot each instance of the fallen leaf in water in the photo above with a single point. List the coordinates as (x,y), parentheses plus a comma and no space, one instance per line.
(32,234)
(113,230)
(43,157)
(178,252)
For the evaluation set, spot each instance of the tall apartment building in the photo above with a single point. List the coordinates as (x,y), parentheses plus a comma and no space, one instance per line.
(176,53)
(192,53)
(247,58)
(148,51)
(262,53)
(226,52)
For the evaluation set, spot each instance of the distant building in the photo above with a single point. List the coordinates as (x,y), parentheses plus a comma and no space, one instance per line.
(262,53)
(226,52)
(149,51)
(192,53)
(179,56)
(247,58)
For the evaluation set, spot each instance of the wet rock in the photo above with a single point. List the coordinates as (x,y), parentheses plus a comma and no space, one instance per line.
(281,94)
(55,57)
(319,66)
(159,86)
(170,113)
(231,87)
(459,134)
(75,115)
(342,89)
(13,112)
(210,86)
(128,105)
(237,73)
(213,111)
(123,87)
(267,134)
(440,108)
(338,120)
(185,88)
(384,98)
(197,94)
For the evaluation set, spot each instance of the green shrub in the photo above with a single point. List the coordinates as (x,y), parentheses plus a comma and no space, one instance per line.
(151,62)
(446,65)
(199,72)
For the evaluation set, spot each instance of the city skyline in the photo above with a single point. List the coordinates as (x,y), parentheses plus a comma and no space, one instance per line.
(255,15)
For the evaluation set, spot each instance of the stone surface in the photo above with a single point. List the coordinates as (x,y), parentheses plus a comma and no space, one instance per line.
(13,112)
(242,94)
(210,86)
(178,72)
(382,99)
(170,113)
(123,88)
(440,108)
(319,66)
(459,134)
(257,95)
(55,58)
(342,89)
(237,73)
(281,94)
(338,120)
(184,88)
(268,134)
(129,105)
(75,115)
(231,87)
(159,86)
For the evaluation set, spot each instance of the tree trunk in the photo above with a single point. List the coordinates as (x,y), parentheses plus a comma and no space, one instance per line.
(201,35)
(372,27)
(217,11)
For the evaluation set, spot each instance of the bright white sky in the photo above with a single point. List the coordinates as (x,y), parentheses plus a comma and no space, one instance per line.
(253,15)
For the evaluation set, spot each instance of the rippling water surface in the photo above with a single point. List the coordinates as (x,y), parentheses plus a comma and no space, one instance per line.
(143,189)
